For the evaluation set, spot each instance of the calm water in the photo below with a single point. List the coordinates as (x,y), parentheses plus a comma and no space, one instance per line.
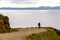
(30,18)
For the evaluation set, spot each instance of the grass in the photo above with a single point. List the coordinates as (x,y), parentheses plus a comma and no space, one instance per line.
(8,30)
(56,30)
(50,34)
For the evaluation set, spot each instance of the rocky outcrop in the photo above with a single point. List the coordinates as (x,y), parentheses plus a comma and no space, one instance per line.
(4,23)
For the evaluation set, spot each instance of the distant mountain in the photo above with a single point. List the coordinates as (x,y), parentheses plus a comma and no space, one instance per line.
(48,7)
(37,8)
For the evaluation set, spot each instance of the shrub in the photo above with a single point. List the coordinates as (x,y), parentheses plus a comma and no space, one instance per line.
(50,34)
(4,24)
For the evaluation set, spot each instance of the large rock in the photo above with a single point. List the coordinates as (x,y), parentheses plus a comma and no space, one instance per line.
(4,23)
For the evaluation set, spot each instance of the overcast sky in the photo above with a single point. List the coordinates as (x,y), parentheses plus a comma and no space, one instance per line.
(28,3)
(30,18)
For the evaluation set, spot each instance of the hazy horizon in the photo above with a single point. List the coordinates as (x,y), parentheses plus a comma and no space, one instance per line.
(30,18)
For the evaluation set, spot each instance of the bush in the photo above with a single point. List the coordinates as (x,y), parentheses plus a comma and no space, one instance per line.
(4,24)
(56,30)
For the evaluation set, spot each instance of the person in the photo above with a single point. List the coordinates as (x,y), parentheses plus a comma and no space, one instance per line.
(39,25)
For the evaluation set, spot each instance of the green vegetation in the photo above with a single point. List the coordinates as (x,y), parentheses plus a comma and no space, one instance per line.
(4,24)
(50,34)
(56,30)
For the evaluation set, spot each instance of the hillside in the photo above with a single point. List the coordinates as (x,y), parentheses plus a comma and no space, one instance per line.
(50,34)
(4,24)
(21,34)
(31,34)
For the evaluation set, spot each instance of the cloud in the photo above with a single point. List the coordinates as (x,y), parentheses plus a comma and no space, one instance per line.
(22,1)
(25,1)
(28,3)
(19,3)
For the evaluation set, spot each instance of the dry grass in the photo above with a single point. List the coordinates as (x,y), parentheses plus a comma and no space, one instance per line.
(19,35)
(50,34)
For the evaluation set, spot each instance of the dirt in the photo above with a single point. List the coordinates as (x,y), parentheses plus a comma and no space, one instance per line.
(19,35)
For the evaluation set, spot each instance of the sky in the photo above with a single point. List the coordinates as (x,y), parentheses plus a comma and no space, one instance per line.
(28,3)
(30,18)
